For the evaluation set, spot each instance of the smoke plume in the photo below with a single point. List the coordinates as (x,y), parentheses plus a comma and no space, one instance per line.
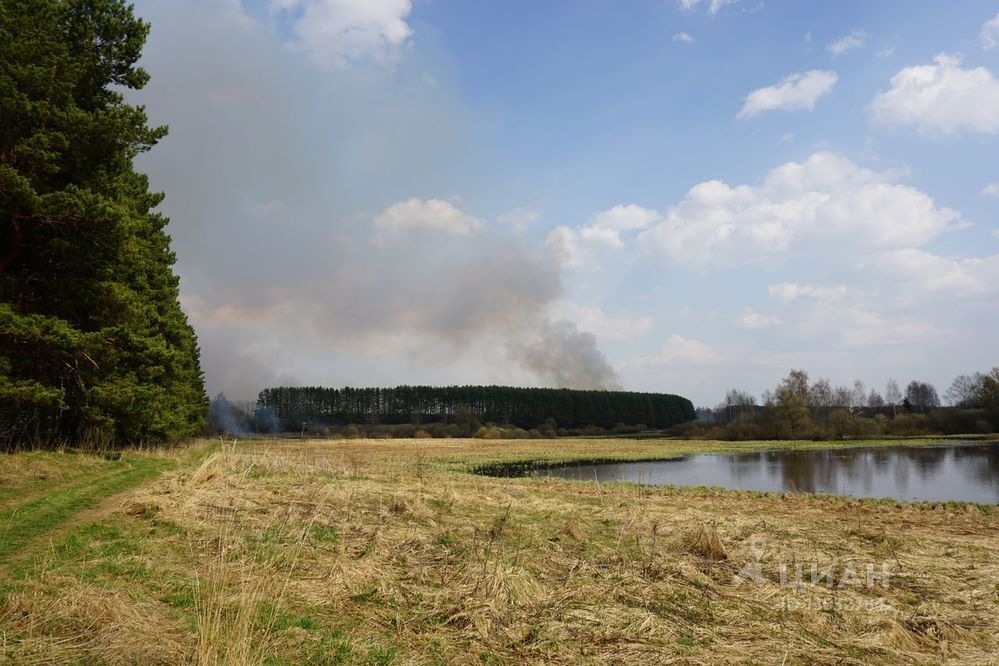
(563,356)
(317,237)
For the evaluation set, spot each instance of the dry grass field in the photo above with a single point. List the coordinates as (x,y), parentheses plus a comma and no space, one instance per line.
(363,551)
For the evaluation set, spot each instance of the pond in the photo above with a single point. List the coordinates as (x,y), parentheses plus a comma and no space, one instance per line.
(966,472)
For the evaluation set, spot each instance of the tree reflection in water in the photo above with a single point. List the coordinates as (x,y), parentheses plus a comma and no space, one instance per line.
(963,472)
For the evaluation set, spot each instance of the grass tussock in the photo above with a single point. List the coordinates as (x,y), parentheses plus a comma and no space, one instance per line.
(705,541)
(386,552)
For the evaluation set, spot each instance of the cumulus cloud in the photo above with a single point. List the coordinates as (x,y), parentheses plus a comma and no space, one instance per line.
(942,98)
(990,33)
(339,32)
(797,92)
(683,38)
(991,190)
(892,298)
(922,272)
(430,215)
(826,201)
(835,316)
(752,320)
(575,247)
(855,40)
(678,350)
(624,218)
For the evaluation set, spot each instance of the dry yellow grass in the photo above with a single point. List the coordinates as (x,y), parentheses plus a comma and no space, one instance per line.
(380,551)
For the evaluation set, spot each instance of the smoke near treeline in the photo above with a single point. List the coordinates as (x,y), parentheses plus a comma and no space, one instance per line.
(563,356)
(331,247)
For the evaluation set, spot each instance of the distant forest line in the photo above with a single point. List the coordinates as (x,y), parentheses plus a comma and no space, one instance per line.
(467,408)
(800,408)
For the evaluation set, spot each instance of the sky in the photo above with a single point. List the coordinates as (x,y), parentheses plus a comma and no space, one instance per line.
(684,196)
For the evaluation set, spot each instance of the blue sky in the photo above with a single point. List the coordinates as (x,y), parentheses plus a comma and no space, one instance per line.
(683,196)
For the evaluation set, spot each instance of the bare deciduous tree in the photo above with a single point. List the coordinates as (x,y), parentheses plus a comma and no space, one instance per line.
(893,396)
(874,400)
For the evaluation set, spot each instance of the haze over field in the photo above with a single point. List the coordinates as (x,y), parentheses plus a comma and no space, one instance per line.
(681,196)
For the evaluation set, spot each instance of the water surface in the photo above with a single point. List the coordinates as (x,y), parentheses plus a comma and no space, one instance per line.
(967,472)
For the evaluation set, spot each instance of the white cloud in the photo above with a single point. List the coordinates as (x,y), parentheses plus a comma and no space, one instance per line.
(796,92)
(567,247)
(788,292)
(625,218)
(717,5)
(432,214)
(855,40)
(677,350)
(604,326)
(872,330)
(752,320)
(714,6)
(991,190)
(923,272)
(787,137)
(856,317)
(578,247)
(990,33)
(338,32)
(825,202)
(886,52)
(519,219)
(941,98)
(684,38)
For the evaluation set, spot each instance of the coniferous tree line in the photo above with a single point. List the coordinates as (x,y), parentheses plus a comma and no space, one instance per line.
(94,347)
(302,407)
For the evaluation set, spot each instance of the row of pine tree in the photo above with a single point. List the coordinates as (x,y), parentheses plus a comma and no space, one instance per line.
(298,407)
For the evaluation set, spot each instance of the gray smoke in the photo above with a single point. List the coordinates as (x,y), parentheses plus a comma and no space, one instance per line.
(274,173)
(563,356)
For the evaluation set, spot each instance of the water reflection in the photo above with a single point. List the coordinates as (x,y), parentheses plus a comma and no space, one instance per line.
(965,472)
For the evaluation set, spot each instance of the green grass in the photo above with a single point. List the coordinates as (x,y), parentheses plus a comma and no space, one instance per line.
(34,472)
(19,525)
(84,482)
(324,534)
(643,450)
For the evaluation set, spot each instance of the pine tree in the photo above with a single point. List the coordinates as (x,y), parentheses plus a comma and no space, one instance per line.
(93,342)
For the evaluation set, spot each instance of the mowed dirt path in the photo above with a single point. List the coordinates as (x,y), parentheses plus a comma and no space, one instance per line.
(30,523)
(25,496)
